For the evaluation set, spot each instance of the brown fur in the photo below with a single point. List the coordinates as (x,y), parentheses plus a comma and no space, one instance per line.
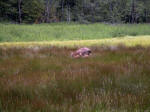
(82,52)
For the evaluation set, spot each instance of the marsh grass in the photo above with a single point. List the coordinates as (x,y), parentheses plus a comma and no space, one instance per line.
(64,31)
(47,79)
(129,41)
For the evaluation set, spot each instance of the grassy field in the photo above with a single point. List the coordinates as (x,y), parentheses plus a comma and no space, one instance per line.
(129,41)
(37,73)
(64,31)
(47,79)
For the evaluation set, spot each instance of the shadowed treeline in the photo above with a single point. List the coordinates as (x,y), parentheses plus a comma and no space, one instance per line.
(47,79)
(82,11)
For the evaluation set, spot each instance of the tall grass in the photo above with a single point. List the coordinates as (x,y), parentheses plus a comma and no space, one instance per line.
(47,79)
(64,31)
(128,41)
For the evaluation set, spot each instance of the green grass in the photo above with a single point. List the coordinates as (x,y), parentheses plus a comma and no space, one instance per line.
(64,31)
(47,79)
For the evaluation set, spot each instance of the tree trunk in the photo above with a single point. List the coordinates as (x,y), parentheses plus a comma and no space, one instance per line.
(47,10)
(62,10)
(145,13)
(133,12)
(111,12)
(19,11)
(68,13)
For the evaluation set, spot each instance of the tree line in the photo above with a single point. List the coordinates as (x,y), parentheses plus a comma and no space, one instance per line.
(83,11)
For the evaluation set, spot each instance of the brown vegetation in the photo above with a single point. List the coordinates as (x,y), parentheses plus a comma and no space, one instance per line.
(48,80)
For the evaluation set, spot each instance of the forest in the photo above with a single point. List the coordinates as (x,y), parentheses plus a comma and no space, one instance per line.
(82,11)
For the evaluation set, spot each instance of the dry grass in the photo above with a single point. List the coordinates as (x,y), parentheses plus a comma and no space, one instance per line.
(47,79)
(128,41)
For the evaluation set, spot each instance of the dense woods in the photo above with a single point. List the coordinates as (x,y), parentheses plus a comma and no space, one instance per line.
(83,11)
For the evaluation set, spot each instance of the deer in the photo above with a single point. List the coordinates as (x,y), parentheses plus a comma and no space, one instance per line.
(82,52)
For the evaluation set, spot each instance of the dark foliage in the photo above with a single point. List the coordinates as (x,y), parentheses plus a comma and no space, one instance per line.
(83,11)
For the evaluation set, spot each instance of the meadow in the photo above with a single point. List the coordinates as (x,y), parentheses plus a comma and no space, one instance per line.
(72,31)
(47,79)
(37,73)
